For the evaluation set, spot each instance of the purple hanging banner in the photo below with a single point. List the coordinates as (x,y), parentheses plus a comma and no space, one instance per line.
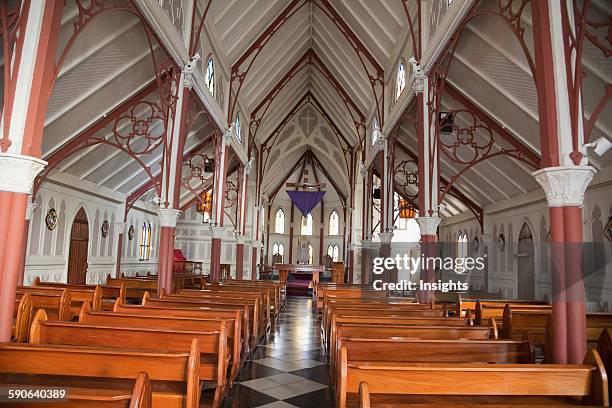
(306,200)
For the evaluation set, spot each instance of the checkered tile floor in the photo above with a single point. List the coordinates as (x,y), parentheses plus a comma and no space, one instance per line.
(288,371)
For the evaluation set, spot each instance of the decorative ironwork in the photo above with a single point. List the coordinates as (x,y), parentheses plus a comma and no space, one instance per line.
(141,129)
(407,178)
(464,145)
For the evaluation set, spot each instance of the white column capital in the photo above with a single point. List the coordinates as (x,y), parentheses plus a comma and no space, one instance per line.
(385,237)
(229,135)
(256,244)
(240,239)
(168,217)
(366,244)
(428,225)
(565,185)
(17,172)
(30,210)
(418,77)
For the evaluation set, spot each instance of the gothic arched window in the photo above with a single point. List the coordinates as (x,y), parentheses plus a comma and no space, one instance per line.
(145,242)
(334,223)
(375,129)
(334,252)
(279,226)
(401,80)
(237,128)
(209,80)
(462,244)
(307,225)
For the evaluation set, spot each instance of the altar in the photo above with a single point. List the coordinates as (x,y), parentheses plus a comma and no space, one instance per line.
(299,271)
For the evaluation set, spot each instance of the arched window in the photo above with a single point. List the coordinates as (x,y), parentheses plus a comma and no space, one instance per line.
(237,128)
(310,255)
(278,249)
(307,225)
(334,223)
(279,226)
(401,80)
(145,242)
(462,245)
(375,129)
(209,80)
(334,252)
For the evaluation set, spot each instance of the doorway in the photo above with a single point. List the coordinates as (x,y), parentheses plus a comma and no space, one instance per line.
(526,265)
(79,244)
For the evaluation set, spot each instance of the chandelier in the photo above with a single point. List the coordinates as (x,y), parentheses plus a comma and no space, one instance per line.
(407,211)
(204,205)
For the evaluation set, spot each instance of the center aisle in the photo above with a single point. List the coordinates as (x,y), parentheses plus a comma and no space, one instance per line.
(288,371)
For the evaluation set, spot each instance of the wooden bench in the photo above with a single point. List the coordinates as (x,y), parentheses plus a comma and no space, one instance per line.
(604,348)
(231,326)
(468,385)
(250,319)
(364,331)
(597,323)
(56,306)
(174,375)
(197,313)
(78,295)
(212,345)
(108,294)
(77,397)
(485,309)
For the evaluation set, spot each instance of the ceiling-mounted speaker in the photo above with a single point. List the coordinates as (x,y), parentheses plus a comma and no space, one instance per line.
(376,194)
(446,122)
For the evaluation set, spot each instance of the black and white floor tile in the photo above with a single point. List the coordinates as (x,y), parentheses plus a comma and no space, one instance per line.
(290,369)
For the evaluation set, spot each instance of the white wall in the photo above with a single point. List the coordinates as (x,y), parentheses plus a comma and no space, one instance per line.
(47,251)
(508,217)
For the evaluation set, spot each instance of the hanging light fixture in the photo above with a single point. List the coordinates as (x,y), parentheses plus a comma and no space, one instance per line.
(204,205)
(407,211)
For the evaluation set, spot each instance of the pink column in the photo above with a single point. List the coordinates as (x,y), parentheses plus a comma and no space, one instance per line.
(215,259)
(254,258)
(13,208)
(239,259)
(167,218)
(429,248)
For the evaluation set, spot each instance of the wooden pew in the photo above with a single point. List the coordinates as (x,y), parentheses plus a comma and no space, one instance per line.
(108,294)
(485,309)
(517,323)
(75,397)
(231,325)
(212,345)
(365,331)
(250,318)
(469,385)
(197,313)
(380,309)
(104,371)
(604,348)
(78,295)
(28,303)
(135,288)
(597,322)
(261,309)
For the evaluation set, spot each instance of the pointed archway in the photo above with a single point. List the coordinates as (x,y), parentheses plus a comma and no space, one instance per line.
(525,264)
(79,244)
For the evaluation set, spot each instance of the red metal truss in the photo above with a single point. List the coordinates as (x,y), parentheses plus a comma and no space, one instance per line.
(452,190)
(309,58)
(194,41)
(260,110)
(576,31)
(529,154)
(331,179)
(195,199)
(300,161)
(373,69)
(84,138)
(155,182)
(307,99)
(415,26)
(239,72)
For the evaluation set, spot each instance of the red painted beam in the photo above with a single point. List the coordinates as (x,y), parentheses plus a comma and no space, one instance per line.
(496,127)
(253,51)
(73,145)
(288,174)
(331,179)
